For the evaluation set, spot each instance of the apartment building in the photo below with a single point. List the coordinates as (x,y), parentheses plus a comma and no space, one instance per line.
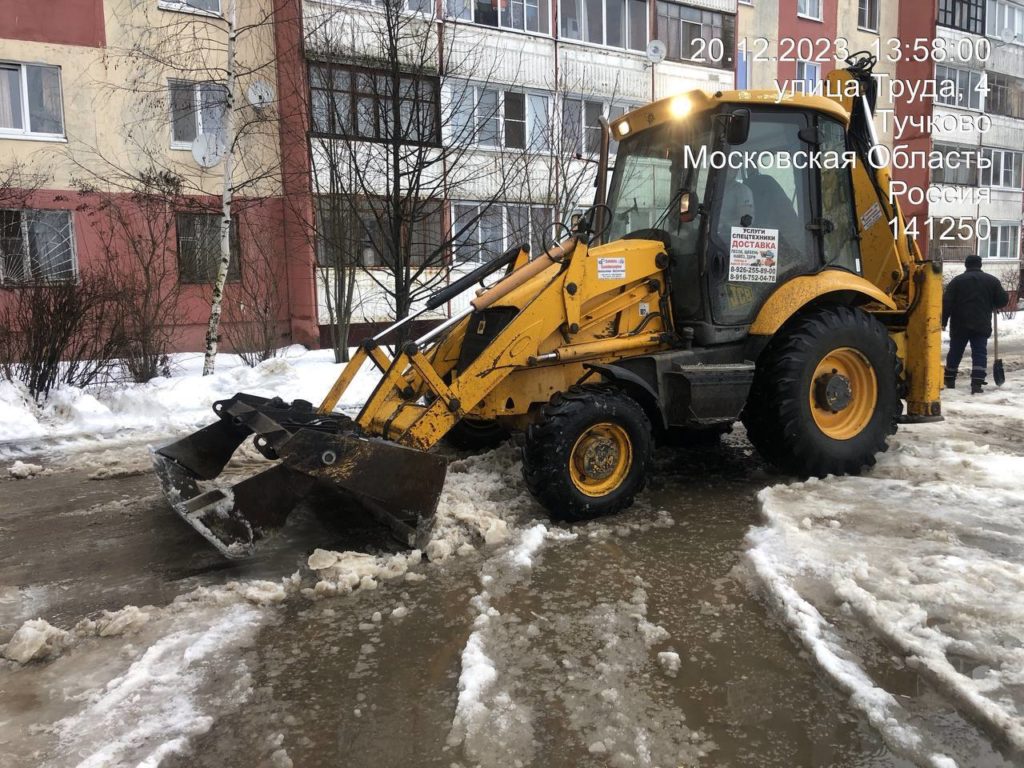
(979,190)
(520,86)
(523,83)
(101,105)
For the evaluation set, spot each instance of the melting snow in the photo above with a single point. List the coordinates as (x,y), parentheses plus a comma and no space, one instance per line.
(926,550)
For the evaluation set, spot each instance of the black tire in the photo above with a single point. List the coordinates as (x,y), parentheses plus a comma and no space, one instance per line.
(476,435)
(778,416)
(548,451)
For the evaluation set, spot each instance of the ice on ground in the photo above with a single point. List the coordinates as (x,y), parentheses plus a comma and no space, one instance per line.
(341,572)
(36,639)
(670,662)
(927,551)
(156,706)
(21,470)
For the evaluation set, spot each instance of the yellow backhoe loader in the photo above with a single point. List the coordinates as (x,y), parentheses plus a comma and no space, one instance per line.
(736,267)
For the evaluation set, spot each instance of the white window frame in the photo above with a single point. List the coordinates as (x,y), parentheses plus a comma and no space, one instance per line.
(26,132)
(465,10)
(997,9)
(506,231)
(807,13)
(604,28)
(528,127)
(998,156)
(27,256)
(606,110)
(801,84)
(1011,240)
(197,106)
(963,97)
(873,11)
(183,6)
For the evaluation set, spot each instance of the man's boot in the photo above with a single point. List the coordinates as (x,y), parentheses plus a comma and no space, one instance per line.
(950,382)
(977,386)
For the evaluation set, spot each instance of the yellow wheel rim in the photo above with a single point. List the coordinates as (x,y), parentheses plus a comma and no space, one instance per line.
(601,459)
(843,393)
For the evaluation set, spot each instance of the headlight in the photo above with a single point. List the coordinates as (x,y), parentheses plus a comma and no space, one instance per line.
(623,128)
(679,106)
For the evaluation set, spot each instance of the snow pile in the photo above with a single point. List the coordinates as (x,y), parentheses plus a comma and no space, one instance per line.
(168,405)
(928,552)
(488,720)
(482,502)
(20,470)
(341,572)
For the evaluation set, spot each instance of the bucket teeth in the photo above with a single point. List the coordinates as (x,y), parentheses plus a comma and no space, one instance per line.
(399,486)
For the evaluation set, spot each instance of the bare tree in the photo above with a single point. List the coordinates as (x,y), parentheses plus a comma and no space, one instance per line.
(136,234)
(210,70)
(252,306)
(396,129)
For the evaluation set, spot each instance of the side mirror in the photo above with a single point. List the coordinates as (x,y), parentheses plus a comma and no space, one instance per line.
(738,128)
(689,204)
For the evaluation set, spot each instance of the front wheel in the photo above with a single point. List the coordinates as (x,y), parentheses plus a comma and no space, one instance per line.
(825,395)
(588,453)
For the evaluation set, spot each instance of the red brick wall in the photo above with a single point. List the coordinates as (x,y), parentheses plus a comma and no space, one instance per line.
(68,22)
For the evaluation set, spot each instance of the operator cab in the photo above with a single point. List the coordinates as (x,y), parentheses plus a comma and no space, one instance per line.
(738,207)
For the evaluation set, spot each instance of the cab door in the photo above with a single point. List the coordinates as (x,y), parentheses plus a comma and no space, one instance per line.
(765,198)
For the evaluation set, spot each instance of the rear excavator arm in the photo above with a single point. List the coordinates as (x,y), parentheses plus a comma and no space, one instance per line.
(891,259)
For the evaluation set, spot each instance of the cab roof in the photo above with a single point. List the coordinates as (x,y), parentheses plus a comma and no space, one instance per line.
(682,105)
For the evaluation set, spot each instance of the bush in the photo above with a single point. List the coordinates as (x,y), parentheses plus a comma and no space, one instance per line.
(60,333)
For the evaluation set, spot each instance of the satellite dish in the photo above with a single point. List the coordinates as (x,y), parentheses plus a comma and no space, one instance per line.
(208,149)
(656,51)
(260,93)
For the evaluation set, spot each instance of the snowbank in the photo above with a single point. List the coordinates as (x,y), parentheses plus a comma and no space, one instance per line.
(926,550)
(167,405)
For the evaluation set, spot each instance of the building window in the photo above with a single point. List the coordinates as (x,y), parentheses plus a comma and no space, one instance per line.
(349,102)
(960,87)
(482,231)
(688,32)
(30,101)
(967,15)
(959,166)
(495,118)
(1003,242)
(1005,21)
(581,124)
(809,9)
(616,23)
(1005,95)
(867,15)
(807,75)
(351,231)
(1004,168)
(36,246)
(207,6)
(523,15)
(197,109)
(199,248)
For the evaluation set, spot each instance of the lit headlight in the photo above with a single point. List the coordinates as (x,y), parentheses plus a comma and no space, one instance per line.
(623,129)
(679,106)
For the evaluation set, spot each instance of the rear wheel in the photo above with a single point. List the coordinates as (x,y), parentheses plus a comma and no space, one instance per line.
(476,435)
(588,453)
(825,395)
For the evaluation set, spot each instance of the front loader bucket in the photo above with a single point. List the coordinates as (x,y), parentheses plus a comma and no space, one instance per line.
(399,486)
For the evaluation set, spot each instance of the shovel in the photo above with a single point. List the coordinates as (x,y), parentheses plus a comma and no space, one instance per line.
(998,374)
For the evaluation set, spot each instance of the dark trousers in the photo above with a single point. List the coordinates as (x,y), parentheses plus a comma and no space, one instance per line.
(958,341)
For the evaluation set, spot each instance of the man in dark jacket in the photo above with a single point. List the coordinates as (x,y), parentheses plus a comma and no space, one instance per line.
(967,305)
